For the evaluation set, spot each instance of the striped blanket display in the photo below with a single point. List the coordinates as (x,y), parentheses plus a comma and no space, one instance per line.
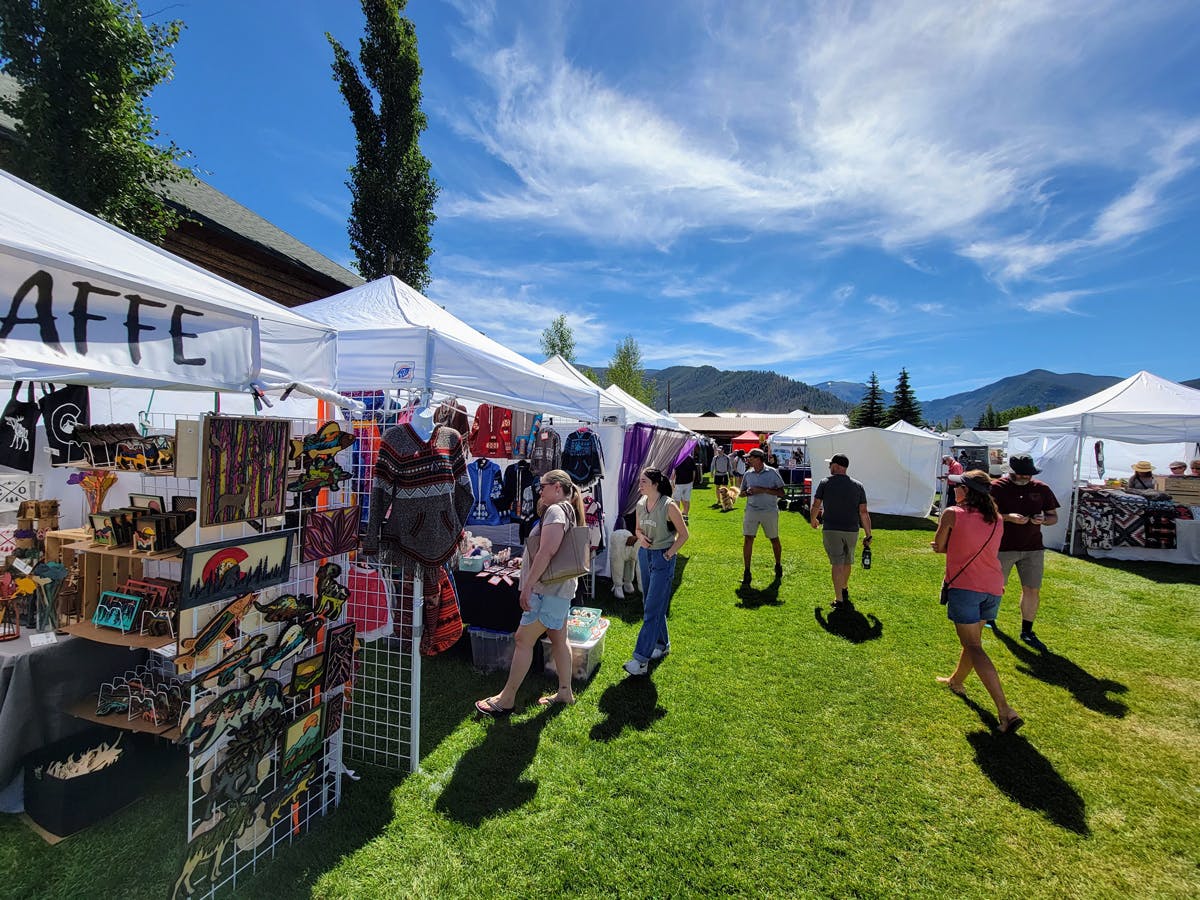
(1107,519)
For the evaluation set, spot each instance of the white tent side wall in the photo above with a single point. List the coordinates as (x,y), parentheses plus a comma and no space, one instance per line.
(899,471)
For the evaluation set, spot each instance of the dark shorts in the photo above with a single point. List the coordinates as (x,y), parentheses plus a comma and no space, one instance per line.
(969,607)
(720,479)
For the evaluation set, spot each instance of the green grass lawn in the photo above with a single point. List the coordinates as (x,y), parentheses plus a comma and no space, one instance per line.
(777,752)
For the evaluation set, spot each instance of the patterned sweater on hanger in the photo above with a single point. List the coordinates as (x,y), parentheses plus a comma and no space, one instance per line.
(423,490)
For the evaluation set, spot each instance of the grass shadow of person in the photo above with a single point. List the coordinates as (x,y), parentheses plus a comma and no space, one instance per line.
(488,779)
(1023,775)
(630,703)
(756,598)
(1053,668)
(847,622)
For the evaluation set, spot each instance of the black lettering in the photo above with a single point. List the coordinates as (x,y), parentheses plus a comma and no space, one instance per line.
(134,328)
(80,314)
(44,312)
(178,334)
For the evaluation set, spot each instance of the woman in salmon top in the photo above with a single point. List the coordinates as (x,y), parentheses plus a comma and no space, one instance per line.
(969,534)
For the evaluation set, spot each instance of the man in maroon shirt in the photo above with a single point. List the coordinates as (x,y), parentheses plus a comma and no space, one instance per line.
(1025,505)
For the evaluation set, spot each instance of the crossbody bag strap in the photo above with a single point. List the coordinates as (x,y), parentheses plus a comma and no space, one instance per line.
(967,565)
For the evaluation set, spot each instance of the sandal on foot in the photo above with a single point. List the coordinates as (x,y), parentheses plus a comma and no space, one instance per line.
(1011,724)
(954,688)
(554,700)
(489,707)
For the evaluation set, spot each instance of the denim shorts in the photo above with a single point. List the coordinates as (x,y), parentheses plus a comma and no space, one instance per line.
(968,607)
(550,611)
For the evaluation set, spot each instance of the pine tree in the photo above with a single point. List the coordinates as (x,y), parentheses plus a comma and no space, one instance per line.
(870,411)
(391,189)
(904,404)
(627,373)
(559,339)
(957,423)
(85,70)
(988,420)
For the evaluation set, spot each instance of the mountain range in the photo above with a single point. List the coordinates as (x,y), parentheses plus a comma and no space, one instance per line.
(697,389)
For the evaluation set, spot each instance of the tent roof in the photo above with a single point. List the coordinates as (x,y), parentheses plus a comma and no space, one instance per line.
(389,335)
(261,341)
(1142,409)
(747,436)
(908,428)
(802,430)
(641,412)
(609,405)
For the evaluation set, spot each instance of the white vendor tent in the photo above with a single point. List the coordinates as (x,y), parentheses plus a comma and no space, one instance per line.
(898,469)
(1142,417)
(86,303)
(391,336)
(795,437)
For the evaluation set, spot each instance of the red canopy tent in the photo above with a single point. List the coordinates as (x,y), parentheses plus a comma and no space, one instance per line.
(747,440)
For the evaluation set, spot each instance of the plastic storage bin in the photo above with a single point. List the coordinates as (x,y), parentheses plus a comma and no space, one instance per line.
(475,563)
(580,622)
(585,655)
(491,650)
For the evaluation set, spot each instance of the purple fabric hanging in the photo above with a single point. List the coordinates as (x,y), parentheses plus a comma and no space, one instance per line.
(684,453)
(648,447)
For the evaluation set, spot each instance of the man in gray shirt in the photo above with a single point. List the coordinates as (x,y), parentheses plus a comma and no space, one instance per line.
(762,487)
(843,502)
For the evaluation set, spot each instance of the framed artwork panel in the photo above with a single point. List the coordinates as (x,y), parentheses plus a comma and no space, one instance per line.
(244,471)
(328,532)
(230,568)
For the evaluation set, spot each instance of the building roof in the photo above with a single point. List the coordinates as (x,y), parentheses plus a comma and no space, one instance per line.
(728,425)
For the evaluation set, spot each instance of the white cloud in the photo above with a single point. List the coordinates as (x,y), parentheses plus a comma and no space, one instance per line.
(933,309)
(891,123)
(887,304)
(1056,302)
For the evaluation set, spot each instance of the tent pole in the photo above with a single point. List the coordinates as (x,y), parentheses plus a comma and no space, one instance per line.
(1075,483)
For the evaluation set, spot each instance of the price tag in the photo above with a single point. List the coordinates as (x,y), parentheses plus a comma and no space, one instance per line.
(41,640)
(22,565)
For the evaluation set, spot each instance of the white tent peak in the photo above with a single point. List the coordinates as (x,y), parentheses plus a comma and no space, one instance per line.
(1143,394)
(392,336)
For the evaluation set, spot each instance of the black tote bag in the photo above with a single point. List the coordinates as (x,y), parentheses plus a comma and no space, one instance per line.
(18,431)
(63,410)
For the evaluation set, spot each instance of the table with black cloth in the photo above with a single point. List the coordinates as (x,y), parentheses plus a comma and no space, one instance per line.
(36,683)
(486,605)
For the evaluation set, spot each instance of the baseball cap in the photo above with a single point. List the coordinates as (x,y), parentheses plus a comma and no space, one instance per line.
(757,451)
(839,459)
(980,483)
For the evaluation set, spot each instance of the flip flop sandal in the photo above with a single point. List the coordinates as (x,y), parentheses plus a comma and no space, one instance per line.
(552,700)
(1011,724)
(492,709)
(959,691)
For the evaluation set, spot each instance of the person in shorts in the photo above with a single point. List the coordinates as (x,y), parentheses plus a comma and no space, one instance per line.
(545,606)
(684,477)
(762,487)
(720,468)
(969,533)
(840,505)
(1025,504)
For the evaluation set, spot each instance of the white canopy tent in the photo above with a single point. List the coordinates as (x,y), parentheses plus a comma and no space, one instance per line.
(391,336)
(86,303)
(1142,417)
(795,437)
(898,469)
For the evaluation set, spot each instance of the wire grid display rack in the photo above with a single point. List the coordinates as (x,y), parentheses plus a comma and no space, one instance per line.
(245,822)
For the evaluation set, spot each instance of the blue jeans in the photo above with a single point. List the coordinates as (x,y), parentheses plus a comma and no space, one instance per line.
(658,573)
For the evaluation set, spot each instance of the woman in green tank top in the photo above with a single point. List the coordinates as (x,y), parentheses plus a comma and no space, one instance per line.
(661,531)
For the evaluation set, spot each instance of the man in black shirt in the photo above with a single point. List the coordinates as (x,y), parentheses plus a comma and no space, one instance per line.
(685,475)
(840,503)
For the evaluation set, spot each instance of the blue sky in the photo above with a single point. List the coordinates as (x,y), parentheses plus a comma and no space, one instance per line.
(969,190)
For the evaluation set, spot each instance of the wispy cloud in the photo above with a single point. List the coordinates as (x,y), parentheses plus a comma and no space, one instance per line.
(887,304)
(844,124)
(1056,302)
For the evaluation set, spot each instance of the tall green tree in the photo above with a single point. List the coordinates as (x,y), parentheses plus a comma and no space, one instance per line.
(988,420)
(626,371)
(85,69)
(870,411)
(1016,412)
(559,338)
(392,192)
(904,404)
(957,423)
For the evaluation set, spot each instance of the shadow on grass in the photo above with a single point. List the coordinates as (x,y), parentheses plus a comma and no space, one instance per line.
(1055,669)
(750,597)
(1025,776)
(902,523)
(1159,573)
(630,703)
(488,779)
(847,622)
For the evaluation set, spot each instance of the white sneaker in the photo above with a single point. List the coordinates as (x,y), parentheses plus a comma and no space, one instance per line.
(659,652)
(633,667)
(618,593)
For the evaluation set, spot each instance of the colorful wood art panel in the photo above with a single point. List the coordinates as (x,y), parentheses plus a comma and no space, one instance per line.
(328,532)
(244,473)
(216,571)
